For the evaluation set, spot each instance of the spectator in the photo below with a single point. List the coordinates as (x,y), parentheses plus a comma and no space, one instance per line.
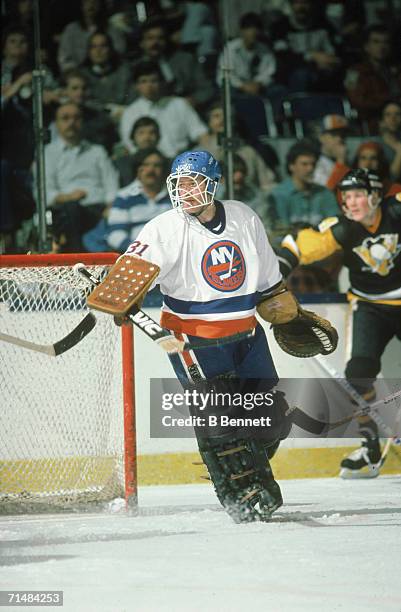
(16,70)
(134,205)
(390,137)
(80,181)
(109,79)
(305,53)
(19,14)
(199,30)
(372,82)
(297,199)
(17,150)
(369,155)
(238,8)
(96,124)
(258,173)
(245,190)
(16,97)
(252,63)
(348,20)
(333,150)
(182,73)
(74,38)
(178,121)
(145,134)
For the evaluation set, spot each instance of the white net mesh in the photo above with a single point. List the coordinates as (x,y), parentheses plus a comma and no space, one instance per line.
(61,419)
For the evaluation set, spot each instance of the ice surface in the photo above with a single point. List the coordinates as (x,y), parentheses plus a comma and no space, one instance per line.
(335,545)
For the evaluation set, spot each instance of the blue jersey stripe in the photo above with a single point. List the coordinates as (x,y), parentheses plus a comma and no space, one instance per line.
(231,304)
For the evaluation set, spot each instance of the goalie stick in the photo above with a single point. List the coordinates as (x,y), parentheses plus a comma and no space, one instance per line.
(59,347)
(157,333)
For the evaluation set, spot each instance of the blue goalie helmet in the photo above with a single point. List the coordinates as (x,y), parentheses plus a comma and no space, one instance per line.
(193,180)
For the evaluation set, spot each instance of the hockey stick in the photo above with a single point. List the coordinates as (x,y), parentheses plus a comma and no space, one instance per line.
(59,347)
(157,333)
(364,407)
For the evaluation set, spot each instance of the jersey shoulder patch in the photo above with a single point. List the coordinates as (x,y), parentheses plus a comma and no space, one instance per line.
(327,223)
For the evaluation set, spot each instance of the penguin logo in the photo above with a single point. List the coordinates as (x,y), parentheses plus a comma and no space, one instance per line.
(379,253)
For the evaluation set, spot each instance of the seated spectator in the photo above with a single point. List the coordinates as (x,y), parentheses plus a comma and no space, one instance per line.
(258,173)
(96,124)
(108,78)
(179,123)
(80,181)
(369,155)
(372,82)
(333,150)
(182,73)
(145,134)
(305,53)
(348,19)
(244,190)
(17,66)
(298,199)
(390,137)
(17,146)
(19,13)
(134,205)
(252,63)
(198,30)
(74,38)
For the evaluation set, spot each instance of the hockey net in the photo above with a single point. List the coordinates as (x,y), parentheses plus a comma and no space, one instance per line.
(67,430)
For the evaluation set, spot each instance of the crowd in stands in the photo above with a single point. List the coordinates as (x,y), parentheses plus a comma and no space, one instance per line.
(127,86)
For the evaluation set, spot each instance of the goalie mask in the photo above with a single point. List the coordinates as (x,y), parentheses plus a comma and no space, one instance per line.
(361,179)
(193,180)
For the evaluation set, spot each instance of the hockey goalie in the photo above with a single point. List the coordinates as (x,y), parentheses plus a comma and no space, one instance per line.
(216,270)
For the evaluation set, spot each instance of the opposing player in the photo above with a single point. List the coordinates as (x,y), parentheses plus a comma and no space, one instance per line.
(216,269)
(369,233)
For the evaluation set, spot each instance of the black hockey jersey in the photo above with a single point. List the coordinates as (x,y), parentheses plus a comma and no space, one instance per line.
(372,255)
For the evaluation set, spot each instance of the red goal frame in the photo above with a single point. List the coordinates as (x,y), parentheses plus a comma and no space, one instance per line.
(127,347)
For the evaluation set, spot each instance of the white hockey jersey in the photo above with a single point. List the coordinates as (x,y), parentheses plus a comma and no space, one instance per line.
(210,281)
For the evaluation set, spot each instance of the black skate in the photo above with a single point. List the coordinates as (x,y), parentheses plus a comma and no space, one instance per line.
(364,462)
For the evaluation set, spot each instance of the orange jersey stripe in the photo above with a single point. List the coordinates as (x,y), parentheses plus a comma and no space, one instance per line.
(206,329)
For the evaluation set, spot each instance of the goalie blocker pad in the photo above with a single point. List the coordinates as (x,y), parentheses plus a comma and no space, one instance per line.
(125,285)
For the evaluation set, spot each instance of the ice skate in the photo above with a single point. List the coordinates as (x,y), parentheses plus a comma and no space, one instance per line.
(364,462)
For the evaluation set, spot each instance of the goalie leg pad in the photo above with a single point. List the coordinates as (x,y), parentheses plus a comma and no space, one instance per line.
(242,477)
(237,458)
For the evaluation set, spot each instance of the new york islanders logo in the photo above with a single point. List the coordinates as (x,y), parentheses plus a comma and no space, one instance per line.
(223,266)
(379,253)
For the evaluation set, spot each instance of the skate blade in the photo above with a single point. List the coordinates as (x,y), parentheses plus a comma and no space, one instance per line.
(365,472)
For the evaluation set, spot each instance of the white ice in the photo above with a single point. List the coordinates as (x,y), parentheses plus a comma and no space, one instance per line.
(334,546)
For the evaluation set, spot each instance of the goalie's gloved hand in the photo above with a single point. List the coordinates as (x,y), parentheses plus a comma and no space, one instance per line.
(306,335)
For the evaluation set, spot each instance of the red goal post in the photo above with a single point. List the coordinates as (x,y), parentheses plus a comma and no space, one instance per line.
(67,423)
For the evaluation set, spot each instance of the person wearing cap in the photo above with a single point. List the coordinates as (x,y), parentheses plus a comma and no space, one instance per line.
(333,151)
(368,235)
